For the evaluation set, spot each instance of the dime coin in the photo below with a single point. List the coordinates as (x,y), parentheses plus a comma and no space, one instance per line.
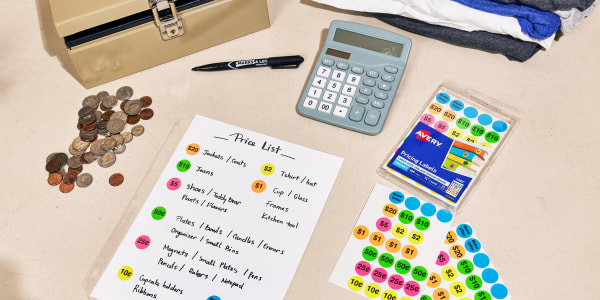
(120,149)
(65,188)
(146,114)
(127,136)
(91,101)
(146,101)
(124,93)
(133,119)
(96,148)
(119,139)
(102,95)
(106,115)
(115,126)
(132,107)
(79,145)
(74,162)
(54,179)
(137,130)
(69,178)
(53,165)
(120,115)
(75,152)
(89,157)
(84,180)
(107,160)
(116,179)
(108,143)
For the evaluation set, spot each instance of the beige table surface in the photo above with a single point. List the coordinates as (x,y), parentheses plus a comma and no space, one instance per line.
(537,211)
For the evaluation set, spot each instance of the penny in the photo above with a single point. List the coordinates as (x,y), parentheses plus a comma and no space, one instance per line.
(133,119)
(88,135)
(89,157)
(146,114)
(69,178)
(65,188)
(84,180)
(116,179)
(106,115)
(146,101)
(96,148)
(60,156)
(115,126)
(102,95)
(54,179)
(79,145)
(53,165)
(127,136)
(90,126)
(118,139)
(119,115)
(107,160)
(133,107)
(75,152)
(108,143)
(120,149)
(98,116)
(102,124)
(74,162)
(137,130)
(87,115)
(110,101)
(124,93)
(75,171)
(90,101)
(123,104)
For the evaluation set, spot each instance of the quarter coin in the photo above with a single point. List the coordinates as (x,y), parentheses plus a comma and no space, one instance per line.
(132,107)
(96,148)
(102,95)
(124,93)
(110,102)
(107,160)
(108,143)
(120,115)
(91,101)
(115,126)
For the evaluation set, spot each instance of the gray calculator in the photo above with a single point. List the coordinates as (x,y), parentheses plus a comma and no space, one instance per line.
(355,77)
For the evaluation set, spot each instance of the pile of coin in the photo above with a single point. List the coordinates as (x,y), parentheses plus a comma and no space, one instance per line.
(101,137)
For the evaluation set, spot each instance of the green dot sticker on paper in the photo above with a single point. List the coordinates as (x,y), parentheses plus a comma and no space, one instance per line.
(422,223)
(402,266)
(183,165)
(406,216)
(386,260)
(477,130)
(474,282)
(419,273)
(482,295)
(463,123)
(370,253)
(158,213)
(492,137)
(465,266)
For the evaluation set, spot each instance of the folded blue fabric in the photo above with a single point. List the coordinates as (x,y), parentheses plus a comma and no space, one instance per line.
(535,23)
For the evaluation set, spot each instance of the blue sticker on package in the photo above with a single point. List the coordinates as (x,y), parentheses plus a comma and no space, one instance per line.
(425,158)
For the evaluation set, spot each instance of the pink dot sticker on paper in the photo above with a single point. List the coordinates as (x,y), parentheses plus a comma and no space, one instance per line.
(362,268)
(427,119)
(173,183)
(412,288)
(441,126)
(384,224)
(396,282)
(379,275)
(442,259)
(142,242)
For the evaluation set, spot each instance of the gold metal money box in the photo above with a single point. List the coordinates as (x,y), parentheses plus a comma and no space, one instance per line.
(110,39)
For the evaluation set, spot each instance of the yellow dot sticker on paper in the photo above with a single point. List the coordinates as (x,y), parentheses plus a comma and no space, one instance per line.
(455,133)
(415,237)
(471,139)
(399,231)
(356,283)
(125,273)
(458,289)
(267,169)
(372,290)
(389,295)
(449,273)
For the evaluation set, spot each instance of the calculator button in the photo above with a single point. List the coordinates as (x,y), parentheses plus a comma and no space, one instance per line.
(328,62)
(338,75)
(315,92)
(310,103)
(323,71)
(340,111)
(325,107)
(362,99)
(357,69)
(334,86)
(372,117)
(356,113)
(385,86)
(366,91)
(345,100)
(372,73)
(353,79)
(329,96)
(369,82)
(377,104)
(349,90)
(319,82)
(391,69)
(381,95)
(388,78)
(342,65)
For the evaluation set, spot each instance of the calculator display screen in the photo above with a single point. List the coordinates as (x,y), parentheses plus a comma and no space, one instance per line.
(368,42)
(338,53)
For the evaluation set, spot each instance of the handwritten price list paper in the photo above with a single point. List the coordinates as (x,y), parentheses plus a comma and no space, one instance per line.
(395,241)
(229,218)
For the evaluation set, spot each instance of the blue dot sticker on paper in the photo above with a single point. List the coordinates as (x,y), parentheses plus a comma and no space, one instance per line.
(481,260)
(396,197)
(457,105)
(428,209)
(442,98)
(471,112)
(489,275)
(473,245)
(500,126)
(499,291)
(214,298)
(464,230)
(444,216)
(412,203)
(485,119)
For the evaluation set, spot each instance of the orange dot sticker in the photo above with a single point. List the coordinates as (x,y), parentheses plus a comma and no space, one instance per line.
(449,116)
(434,280)
(390,210)
(441,294)
(455,133)
(457,251)
(415,237)
(259,186)
(450,237)
(409,251)
(471,139)
(192,149)
(361,232)
(377,239)
(392,245)
(435,108)
(399,231)
(125,273)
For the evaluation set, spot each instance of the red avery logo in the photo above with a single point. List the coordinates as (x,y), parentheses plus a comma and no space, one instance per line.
(425,136)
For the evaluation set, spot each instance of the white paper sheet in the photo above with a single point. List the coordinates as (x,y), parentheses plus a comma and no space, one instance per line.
(229,218)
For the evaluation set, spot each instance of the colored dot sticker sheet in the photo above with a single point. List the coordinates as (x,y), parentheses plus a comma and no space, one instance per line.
(463,270)
(451,142)
(395,239)
(229,218)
